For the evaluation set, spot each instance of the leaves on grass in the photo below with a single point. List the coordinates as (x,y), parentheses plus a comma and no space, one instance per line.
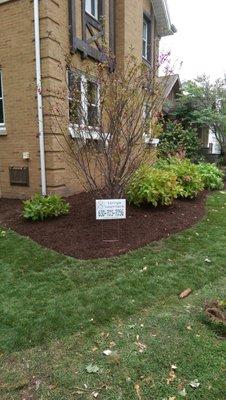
(92,369)
(183,393)
(171,377)
(37,384)
(107,352)
(189,328)
(144,269)
(194,384)
(141,347)
(138,392)
(185,293)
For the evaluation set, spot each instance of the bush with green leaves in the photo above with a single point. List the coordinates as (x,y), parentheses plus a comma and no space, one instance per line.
(40,207)
(187,174)
(153,186)
(177,140)
(212,177)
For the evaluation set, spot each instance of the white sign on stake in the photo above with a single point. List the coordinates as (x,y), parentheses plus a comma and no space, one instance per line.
(111,209)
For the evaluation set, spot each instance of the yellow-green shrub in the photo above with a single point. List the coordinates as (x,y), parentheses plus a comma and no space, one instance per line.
(187,173)
(153,186)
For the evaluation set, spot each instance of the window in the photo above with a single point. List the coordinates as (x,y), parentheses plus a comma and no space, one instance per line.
(83,100)
(146,40)
(92,103)
(2,117)
(92,8)
(75,105)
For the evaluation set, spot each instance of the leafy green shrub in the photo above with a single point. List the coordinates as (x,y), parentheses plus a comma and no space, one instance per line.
(152,186)
(187,175)
(39,207)
(212,177)
(177,140)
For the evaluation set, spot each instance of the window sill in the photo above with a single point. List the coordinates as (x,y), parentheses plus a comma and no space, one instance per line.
(86,133)
(3,131)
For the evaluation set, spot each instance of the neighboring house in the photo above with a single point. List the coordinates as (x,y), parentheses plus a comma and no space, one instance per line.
(210,144)
(35,37)
(171,86)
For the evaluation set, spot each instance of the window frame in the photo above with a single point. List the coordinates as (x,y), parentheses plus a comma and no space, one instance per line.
(145,39)
(91,104)
(2,124)
(84,106)
(148,53)
(96,9)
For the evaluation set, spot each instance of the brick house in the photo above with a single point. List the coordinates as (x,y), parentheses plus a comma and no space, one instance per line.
(34,38)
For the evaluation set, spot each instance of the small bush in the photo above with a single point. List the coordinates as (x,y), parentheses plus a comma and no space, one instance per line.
(212,177)
(39,207)
(187,175)
(153,186)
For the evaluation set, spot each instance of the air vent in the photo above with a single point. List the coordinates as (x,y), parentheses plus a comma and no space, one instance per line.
(19,176)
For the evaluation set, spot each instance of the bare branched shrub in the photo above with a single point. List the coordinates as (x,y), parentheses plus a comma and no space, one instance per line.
(110,116)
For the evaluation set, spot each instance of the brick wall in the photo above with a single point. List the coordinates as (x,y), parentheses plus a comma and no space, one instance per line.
(17,59)
(18,69)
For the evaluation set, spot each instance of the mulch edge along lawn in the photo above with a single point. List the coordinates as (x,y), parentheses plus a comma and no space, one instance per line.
(58,315)
(79,235)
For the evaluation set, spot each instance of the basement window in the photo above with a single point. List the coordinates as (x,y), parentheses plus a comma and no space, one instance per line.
(2,113)
(92,8)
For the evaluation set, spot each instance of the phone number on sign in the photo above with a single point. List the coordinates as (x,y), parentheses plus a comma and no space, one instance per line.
(110,213)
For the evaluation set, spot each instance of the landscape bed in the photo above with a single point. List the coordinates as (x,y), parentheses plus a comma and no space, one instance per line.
(60,317)
(79,234)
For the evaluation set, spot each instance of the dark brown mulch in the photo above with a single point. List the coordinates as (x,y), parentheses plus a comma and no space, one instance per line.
(80,235)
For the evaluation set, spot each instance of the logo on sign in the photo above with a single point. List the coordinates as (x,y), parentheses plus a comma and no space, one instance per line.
(111,209)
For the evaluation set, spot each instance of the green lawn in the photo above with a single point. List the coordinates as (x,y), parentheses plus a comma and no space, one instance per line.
(58,315)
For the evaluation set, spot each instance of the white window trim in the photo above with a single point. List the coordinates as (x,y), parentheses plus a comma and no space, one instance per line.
(95,15)
(2,125)
(85,131)
(145,39)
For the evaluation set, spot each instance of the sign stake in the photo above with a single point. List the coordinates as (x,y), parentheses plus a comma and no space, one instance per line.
(110,210)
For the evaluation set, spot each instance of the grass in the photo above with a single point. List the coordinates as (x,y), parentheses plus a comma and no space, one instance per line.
(58,315)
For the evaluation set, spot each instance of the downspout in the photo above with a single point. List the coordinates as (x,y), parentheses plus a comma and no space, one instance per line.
(39,97)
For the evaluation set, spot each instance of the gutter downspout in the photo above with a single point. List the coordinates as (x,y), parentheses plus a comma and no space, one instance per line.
(39,97)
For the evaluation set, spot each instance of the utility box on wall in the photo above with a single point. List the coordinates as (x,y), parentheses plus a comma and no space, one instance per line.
(19,176)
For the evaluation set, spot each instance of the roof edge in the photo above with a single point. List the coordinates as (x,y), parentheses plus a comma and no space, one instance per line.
(162,15)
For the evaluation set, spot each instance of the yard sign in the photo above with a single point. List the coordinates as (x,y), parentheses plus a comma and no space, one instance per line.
(110,209)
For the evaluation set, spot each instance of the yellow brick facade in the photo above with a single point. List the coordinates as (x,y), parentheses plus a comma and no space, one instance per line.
(17,62)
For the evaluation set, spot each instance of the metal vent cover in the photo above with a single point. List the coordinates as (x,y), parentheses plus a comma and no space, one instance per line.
(19,176)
